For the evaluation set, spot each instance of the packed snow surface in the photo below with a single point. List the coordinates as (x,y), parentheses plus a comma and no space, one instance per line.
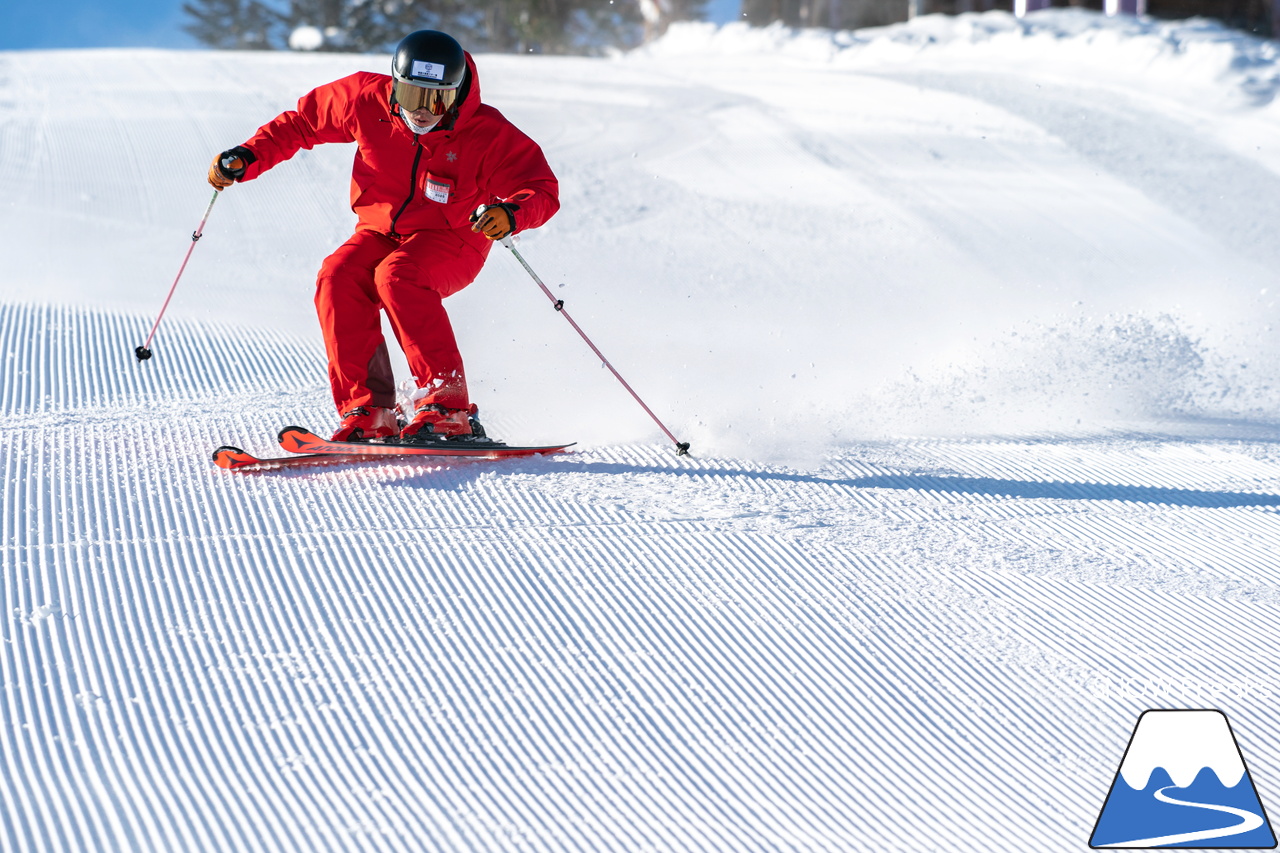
(970,322)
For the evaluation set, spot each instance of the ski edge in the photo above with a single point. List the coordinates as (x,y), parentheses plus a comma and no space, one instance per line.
(296,439)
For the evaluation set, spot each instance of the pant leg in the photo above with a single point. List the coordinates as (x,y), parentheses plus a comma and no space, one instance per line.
(411,284)
(348,306)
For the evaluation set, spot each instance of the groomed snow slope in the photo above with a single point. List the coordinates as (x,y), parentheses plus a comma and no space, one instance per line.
(968,320)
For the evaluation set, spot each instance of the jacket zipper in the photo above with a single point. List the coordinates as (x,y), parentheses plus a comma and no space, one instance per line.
(413,187)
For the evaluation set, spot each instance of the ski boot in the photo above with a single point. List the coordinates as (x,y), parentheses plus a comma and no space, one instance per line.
(367,424)
(431,422)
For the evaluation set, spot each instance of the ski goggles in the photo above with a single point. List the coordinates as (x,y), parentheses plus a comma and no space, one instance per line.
(412,98)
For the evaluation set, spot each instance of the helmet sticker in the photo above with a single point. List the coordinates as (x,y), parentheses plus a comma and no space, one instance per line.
(429,70)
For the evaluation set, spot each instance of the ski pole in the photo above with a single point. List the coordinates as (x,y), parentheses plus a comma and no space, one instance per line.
(144,352)
(682,447)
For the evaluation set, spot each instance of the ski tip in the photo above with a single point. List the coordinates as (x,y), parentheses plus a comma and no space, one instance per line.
(232,457)
(292,429)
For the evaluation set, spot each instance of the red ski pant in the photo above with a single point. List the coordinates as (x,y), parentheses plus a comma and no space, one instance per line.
(407,277)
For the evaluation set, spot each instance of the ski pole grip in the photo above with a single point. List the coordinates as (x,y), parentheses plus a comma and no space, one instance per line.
(232,167)
(233,162)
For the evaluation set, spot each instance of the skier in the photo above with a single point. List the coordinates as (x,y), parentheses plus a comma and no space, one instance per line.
(438,177)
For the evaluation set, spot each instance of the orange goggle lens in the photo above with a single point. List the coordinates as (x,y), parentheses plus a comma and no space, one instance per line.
(412,98)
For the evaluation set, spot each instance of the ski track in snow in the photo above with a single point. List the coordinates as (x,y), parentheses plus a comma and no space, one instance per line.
(910,644)
(610,649)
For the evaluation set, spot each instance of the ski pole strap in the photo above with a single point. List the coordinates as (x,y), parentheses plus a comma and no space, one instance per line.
(682,447)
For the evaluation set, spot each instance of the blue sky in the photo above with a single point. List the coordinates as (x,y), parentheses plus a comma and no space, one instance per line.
(92,23)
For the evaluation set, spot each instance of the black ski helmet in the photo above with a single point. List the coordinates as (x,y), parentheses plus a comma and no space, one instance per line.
(430,59)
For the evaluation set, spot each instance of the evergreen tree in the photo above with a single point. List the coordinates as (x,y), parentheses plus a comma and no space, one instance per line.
(375,26)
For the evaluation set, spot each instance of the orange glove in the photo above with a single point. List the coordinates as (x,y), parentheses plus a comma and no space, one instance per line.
(228,167)
(495,221)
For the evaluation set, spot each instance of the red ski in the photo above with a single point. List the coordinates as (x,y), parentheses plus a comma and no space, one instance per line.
(296,439)
(311,449)
(235,459)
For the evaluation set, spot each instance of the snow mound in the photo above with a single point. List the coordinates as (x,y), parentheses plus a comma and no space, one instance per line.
(1197,49)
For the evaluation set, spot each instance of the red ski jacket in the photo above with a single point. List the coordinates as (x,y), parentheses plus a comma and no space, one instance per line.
(402,182)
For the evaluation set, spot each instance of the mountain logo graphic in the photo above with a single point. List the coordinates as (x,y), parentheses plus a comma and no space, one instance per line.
(1183,783)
